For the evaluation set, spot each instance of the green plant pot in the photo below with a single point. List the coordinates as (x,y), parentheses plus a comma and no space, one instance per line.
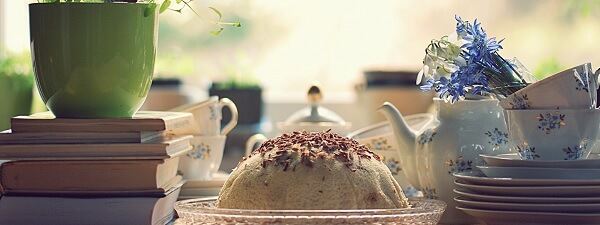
(93,60)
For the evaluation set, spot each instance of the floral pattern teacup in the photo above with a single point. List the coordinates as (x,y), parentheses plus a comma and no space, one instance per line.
(204,159)
(207,115)
(574,88)
(553,134)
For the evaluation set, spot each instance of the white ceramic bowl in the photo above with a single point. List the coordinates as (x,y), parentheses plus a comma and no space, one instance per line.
(573,88)
(380,139)
(382,132)
(546,134)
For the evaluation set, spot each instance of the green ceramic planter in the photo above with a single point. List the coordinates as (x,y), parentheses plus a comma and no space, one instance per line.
(93,60)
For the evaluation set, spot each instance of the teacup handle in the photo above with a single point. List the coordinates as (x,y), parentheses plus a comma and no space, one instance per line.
(252,141)
(234,115)
(593,85)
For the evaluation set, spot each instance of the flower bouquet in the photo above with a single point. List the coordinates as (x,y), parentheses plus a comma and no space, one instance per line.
(467,63)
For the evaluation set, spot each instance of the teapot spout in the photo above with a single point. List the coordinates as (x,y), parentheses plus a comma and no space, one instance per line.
(404,135)
(406,139)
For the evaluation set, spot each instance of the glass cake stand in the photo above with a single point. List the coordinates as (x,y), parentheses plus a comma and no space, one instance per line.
(203,211)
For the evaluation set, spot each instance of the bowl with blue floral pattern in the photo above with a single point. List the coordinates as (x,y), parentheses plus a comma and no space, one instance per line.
(380,139)
(553,134)
(574,88)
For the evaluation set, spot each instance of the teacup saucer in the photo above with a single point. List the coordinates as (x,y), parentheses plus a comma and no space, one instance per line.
(532,191)
(524,199)
(480,178)
(540,173)
(531,207)
(504,217)
(203,188)
(513,160)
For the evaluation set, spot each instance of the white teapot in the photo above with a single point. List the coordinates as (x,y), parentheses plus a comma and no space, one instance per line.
(460,133)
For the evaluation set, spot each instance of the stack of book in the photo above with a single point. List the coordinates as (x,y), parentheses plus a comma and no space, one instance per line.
(92,171)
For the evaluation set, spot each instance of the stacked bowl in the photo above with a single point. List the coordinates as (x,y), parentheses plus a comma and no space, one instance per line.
(380,139)
(552,177)
(555,118)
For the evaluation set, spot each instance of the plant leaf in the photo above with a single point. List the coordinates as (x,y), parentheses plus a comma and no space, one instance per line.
(237,24)
(217,12)
(178,1)
(164,6)
(149,10)
(216,32)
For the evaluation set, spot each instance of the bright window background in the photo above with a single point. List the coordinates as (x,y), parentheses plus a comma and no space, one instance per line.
(286,45)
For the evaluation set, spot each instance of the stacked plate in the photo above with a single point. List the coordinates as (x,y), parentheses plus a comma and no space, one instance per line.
(203,188)
(509,190)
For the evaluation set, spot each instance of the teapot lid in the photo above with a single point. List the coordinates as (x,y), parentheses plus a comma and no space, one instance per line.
(315,113)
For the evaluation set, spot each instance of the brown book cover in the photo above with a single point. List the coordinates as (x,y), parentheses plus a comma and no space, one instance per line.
(33,209)
(88,176)
(141,121)
(159,148)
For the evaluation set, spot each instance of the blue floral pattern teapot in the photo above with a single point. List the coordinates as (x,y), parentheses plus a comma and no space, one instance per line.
(460,133)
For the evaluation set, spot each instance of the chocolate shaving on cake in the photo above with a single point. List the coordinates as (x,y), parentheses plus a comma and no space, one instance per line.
(302,147)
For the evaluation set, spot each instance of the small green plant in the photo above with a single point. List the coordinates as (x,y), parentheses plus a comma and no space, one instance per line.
(164,6)
(16,86)
(15,64)
(240,74)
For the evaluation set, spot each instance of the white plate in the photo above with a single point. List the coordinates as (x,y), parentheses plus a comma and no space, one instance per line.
(513,160)
(501,217)
(540,173)
(217,181)
(533,191)
(480,178)
(522,199)
(203,188)
(203,211)
(531,207)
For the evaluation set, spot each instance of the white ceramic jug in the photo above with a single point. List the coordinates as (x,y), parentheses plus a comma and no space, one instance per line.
(462,131)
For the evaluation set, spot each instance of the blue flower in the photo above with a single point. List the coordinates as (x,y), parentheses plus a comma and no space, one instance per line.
(469,64)
(461,26)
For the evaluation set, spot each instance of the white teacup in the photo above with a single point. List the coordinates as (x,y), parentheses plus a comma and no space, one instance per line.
(208,115)
(553,134)
(204,159)
(573,88)
(254,140)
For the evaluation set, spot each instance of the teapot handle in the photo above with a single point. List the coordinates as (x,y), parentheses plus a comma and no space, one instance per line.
(595,86)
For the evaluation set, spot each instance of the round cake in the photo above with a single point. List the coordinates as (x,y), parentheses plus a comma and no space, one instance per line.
(311,170)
